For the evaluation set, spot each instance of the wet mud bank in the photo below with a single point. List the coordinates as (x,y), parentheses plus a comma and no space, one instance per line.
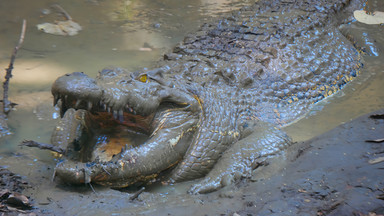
(336,173)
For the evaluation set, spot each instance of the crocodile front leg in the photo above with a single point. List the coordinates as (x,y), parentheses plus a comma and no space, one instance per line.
(216,132)
(260,141)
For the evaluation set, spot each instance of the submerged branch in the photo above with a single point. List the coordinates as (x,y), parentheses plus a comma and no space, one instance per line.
(8,75)
(31,143)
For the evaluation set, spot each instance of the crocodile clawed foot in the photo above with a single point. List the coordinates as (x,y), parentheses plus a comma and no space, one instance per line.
(205,186)
(209,184)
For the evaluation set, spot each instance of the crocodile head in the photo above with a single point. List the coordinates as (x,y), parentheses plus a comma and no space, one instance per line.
(113,106)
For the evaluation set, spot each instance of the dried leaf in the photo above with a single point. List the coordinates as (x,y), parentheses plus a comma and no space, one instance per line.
(376,17)
(376,160)
(18,200)
(302,191)
(4,193)
(381,196)
(377,116)
(376,140)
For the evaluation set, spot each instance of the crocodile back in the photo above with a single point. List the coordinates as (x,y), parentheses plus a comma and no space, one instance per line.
(271,60)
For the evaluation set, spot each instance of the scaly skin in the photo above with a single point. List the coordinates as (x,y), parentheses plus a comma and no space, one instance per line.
(216,102)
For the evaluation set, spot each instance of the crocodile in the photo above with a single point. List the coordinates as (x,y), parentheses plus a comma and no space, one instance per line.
(213,107)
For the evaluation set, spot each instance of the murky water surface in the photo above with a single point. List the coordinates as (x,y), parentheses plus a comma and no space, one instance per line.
(131,34)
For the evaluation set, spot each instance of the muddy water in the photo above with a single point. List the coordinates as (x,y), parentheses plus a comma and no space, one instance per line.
(130,34)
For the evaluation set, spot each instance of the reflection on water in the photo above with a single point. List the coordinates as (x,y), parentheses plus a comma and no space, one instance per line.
(114,33)
(131,34)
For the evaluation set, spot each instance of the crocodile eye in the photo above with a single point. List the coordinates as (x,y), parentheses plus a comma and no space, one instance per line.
(143,78)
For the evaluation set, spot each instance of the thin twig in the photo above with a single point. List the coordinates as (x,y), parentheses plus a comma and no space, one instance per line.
(8,75)
(135,195)
(65,13)
(92,187)
(31,143)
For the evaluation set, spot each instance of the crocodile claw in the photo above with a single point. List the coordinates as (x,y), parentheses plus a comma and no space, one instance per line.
(209,184)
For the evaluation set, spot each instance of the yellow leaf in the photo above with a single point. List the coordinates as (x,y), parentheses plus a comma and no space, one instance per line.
(376,160)
(376,17)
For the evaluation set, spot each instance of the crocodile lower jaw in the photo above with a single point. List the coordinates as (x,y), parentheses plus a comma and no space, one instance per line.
(99,133)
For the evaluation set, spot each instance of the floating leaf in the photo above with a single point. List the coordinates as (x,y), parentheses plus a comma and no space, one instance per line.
(64,28)
(67,27)
(376,17)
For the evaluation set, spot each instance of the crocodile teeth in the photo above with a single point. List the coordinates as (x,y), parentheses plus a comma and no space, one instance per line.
(125,148)
(97,159)
(55,99)
(78,102)
(59,103)
(115,114)
(89,105)
(121,115)
(128,108)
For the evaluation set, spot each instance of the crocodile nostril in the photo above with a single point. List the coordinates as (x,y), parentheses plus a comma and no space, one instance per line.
(78,74)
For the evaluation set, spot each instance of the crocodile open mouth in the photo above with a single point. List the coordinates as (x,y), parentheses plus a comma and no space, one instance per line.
(121,128)
(107,136)
(98,133)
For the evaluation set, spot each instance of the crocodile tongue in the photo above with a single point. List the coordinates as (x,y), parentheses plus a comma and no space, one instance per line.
(109,136)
